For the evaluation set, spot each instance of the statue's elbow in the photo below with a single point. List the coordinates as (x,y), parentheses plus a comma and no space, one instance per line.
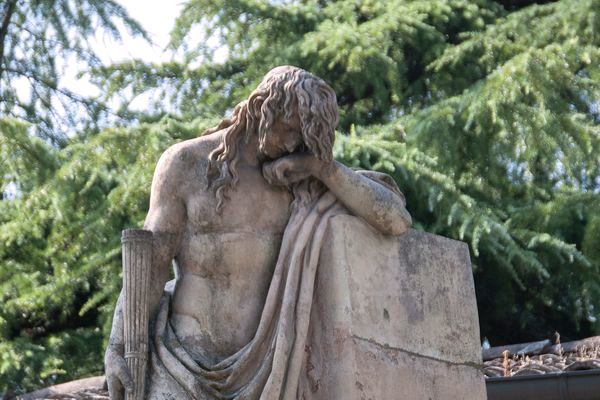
(401,223)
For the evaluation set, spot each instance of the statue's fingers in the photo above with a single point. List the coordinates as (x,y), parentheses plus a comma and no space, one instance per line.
(125,377)
(293,177)
(115,389)
(268,172)
(281,175)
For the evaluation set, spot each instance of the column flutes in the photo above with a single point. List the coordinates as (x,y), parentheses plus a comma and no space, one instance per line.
(137,262)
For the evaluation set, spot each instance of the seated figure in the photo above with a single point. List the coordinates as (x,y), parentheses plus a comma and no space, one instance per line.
(241,212)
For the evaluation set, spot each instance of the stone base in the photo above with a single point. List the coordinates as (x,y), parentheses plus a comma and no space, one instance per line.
(397,316)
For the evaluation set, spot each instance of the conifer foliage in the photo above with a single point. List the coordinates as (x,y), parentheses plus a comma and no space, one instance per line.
(38,38)
(487,113)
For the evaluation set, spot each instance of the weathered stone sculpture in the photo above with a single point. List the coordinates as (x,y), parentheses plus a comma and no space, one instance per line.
(245,212)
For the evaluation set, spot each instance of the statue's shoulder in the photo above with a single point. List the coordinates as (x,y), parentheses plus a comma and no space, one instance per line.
(184,156)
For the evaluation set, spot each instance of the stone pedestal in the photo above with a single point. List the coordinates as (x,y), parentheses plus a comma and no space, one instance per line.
(398,317)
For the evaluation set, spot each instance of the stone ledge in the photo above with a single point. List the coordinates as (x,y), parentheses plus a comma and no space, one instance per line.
(83,389)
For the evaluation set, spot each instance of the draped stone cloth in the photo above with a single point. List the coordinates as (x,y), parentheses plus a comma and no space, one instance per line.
(272,366)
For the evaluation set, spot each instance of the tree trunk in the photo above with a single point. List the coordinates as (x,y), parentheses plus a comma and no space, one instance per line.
(8,13)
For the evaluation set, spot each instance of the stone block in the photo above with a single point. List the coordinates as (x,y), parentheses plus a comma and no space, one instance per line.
(397,317)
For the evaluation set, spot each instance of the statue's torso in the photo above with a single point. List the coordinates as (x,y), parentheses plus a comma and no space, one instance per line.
(225,261)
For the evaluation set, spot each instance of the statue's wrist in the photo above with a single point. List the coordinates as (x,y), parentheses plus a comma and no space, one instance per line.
(115,346)
(324,169)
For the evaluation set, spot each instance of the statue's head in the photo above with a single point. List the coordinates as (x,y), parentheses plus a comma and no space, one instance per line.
(289,101)
(290,109)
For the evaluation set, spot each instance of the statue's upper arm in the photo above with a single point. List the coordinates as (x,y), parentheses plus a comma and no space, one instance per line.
(166,219)
(167,208)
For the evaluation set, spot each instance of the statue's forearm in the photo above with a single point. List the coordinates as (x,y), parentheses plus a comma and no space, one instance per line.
(163,250)
(377,204)
(116,333)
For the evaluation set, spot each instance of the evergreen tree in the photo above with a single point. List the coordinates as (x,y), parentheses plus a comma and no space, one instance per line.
(38,39)
(486,113)
(500,105)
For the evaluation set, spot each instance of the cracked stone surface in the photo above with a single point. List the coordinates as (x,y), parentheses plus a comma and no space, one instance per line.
(400,317)
(390,349)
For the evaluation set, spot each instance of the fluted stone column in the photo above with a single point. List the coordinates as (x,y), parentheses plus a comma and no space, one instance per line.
(137,261)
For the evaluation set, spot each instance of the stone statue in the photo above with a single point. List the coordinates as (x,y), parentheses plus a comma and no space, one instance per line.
(243,213)
(225,207)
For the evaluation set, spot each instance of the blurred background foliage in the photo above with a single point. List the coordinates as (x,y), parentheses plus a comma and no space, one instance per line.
(487,113)
(39,40)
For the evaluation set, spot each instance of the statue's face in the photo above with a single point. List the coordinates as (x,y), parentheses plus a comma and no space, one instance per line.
(283,138)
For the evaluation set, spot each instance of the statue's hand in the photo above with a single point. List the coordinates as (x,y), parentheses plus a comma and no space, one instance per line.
(292,168)
(118,376)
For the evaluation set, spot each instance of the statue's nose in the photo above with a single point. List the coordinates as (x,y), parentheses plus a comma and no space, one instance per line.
(290,147)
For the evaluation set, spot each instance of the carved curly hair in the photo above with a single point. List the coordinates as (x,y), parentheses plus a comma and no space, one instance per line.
(282,91)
